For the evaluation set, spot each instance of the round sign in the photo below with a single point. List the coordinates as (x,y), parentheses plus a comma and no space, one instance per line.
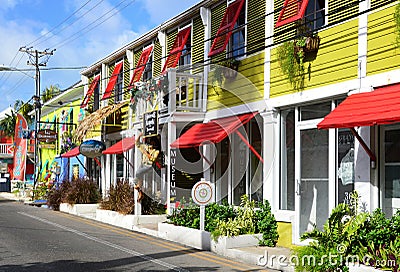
(92,148)
(202,192)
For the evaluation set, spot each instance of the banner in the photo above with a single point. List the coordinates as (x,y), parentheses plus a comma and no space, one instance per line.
(20,146)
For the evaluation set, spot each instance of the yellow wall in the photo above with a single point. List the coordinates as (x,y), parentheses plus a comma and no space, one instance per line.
(336,60)
(382,54)
(285,234)
(246,88)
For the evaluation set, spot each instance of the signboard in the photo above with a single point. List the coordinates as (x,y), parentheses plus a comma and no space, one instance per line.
(20,149)
(46,136)
(172,175)
(92,148)
(48,146)
(150,124)
(202,192)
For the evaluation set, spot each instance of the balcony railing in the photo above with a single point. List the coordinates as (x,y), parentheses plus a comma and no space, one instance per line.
(183,93)
(6,150)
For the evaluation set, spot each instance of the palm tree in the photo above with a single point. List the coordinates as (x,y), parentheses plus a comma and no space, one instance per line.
(49,92)
(7,125)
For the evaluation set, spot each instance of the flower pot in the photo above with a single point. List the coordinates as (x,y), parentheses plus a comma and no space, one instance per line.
(312,44)
(229,73)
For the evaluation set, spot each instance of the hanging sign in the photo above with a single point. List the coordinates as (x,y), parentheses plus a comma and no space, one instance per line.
(150,124)
(46,136)
(92,148)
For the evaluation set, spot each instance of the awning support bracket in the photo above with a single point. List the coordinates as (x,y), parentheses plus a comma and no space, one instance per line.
(250,146)
(202,155)
(364,145)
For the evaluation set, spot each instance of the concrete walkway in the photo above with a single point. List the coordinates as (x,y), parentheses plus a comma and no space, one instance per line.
(276,258)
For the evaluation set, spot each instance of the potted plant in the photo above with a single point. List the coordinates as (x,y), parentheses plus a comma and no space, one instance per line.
(226,69)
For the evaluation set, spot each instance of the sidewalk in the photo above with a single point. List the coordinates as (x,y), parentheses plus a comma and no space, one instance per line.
(276,258)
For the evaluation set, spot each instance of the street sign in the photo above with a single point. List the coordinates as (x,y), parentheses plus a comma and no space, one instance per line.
(202,194)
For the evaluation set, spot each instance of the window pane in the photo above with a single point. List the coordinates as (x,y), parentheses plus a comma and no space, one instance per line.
(315,111)
(345,165)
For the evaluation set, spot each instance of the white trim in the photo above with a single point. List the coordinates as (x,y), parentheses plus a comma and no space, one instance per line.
(259,106)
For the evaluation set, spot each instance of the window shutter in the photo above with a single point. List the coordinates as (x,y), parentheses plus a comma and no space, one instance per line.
(90,92)
(113,80)
(292,10)
(144,57)
(176,51)
(225,29)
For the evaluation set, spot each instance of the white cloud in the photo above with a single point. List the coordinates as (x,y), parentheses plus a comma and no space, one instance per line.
(162,10)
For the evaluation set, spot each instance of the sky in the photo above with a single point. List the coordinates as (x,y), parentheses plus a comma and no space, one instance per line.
(81,31)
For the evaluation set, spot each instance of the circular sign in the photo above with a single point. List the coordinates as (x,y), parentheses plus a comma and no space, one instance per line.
(202,192)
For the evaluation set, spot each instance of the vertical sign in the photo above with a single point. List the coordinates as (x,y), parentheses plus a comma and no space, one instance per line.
(150,124)
(172,176)
(20,146)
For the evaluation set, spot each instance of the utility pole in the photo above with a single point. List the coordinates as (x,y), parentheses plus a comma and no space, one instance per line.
(35,57)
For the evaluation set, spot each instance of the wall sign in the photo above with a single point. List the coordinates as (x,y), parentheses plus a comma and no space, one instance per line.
(92,148)
(46,136)
(150,124)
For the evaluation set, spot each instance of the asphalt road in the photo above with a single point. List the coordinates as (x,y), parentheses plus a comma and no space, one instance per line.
(38,239)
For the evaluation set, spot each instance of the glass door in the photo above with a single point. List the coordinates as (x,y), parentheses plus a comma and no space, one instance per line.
(391,170)
(312,179)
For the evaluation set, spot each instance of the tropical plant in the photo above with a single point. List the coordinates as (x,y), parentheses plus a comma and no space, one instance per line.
(56,194)
(266,224)
(225,69)
(120,198)
(82,191)
(49,92)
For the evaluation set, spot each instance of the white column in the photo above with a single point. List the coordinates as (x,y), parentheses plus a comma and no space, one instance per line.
(205,14)
(170,163)
(269,31)
(270,156)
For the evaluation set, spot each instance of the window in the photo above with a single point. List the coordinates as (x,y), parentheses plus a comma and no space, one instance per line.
(186,55)
(113,80)
(148,72)
(177,49)
(96,97)
(143,65)
(118,89)
(226,27)
(236,45)
(315,15)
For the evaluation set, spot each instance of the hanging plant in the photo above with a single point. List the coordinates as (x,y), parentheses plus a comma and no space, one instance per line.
(148,90)
(226,69)
(396,16)
(291,60)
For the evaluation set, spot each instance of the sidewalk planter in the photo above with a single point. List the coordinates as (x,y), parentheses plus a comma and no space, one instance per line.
(187,236)
(127,221)
(115,218)
(86,210)
(362,268)
(224,242)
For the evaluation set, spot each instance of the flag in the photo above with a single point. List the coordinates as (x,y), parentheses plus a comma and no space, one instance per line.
(20,148)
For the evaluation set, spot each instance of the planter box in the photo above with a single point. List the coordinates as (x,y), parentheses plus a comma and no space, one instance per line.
(115,218)
(224,243)
(362,268)
(85,210)
(187,236)
(127,221)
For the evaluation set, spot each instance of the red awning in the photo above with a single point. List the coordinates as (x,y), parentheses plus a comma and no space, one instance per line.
(124,145)
(113,80)
(214,131)
(72,153)
(379,107)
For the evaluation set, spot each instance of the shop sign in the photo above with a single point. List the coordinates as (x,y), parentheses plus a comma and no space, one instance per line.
(46,136)
(172,175)
(150,124)
(47,146)
(92,148)
(202,192)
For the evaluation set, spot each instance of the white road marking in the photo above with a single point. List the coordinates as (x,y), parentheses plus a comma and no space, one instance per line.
(115,246)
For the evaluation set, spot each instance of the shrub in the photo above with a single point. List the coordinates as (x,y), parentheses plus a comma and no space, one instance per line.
(151,205)
(82,191)
(56,195)
(267,225)
(120,198)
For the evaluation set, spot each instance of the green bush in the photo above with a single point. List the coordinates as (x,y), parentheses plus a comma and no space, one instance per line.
(120,198)
(267,225)
(82,191)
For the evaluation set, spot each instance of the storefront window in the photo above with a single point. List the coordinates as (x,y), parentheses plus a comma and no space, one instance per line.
(345,165)
(287,181)
(392,164)
(315,111)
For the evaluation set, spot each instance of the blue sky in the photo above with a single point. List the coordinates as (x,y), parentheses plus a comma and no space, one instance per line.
(75,28)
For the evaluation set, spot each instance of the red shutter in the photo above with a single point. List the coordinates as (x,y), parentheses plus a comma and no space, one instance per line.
(113,80)
(225,29)
(176,51)
(292,10)
(90,92)
(144,57)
